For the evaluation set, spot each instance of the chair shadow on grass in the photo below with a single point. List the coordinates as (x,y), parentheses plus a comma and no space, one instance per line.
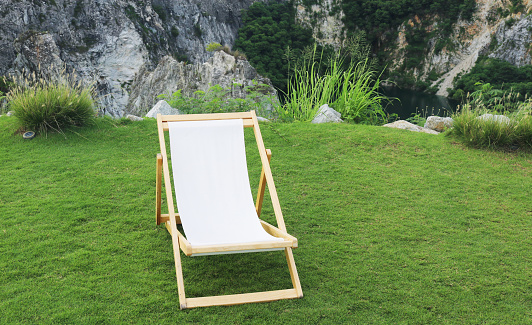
(228,274)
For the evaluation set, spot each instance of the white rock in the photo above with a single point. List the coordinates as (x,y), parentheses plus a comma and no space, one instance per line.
(402,124)
(495,118)
(133,118)
(262,119)
(162,108)
(327,114)
(10,113)
(439,124)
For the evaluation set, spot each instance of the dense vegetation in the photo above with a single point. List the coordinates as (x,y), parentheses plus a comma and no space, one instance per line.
(382,16)
(494,118)
(346,81)
(268,29)
(499,73)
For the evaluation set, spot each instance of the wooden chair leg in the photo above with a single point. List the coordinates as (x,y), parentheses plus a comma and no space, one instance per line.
(262,185)
(179,272)
(158,186)
(293,271)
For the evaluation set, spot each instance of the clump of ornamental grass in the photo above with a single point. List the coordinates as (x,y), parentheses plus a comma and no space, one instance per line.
(523,129)
(349,87)
(51,103)
(478,127)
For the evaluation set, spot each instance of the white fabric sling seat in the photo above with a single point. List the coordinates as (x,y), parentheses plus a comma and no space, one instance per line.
(214,199)
(212,185)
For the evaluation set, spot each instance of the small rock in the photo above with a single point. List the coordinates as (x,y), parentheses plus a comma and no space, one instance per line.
(133,118)
(495,118)
(10,113)
(162,108)
(262,119)
(439,124)
(327,114)
(402,124)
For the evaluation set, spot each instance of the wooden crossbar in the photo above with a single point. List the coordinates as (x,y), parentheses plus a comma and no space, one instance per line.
(244,298)
(179,242)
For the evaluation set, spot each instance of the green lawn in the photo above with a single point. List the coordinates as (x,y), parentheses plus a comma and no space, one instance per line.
(394,227)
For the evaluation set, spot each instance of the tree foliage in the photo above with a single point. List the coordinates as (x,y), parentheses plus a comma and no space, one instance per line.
(499,73)
(381,19)
(379,16)
(268,29)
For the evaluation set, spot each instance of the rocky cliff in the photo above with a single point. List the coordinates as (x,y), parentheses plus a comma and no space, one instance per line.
(487,33)
(109,41)
(221,69)
(493,31)
(117,43)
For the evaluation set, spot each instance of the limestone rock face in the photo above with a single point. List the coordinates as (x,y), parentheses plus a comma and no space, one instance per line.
(328,29)
(327,114)
(405,125)
(107,42)
(513,41)
(438,124)
(37,51)
(169,76)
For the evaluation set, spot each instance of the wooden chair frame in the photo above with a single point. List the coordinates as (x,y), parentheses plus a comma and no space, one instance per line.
(179,242)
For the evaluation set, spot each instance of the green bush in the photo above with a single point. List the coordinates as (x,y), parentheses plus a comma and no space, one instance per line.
(268,29)
(43,104)
(217,100)
(350,88)
(473,129)
(499,73)
(212,47)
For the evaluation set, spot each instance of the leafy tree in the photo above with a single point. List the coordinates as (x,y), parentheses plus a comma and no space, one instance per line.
(268,29)
(381,18)
(499,74)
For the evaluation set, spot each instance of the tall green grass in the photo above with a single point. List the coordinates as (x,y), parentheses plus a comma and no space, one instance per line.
(513,129)
(52,103)
(358,98)
(349,87)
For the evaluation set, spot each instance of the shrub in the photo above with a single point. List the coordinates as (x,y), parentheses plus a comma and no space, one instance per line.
(472,128)
(351,90)
(212,47)
(217,100)
(499,73)
(44,104)
(268,28)
(359,99)
(174,31)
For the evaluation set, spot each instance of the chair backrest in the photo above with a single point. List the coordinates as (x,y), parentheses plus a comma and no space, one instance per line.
(211,182)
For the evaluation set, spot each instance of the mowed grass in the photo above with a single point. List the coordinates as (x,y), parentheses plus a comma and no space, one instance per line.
(394,227)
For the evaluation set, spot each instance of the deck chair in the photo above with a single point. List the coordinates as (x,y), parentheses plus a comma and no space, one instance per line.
(214,199)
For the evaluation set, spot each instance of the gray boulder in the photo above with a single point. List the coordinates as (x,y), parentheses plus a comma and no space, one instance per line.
(438,124)
(162,108)
(133,118)
(327,114)
(402,124)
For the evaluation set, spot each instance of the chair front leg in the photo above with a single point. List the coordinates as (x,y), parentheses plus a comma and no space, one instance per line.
(158,186)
